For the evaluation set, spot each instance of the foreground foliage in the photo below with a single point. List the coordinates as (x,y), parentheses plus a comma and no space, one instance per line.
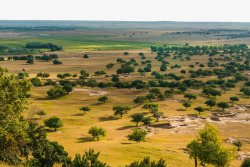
(208,148)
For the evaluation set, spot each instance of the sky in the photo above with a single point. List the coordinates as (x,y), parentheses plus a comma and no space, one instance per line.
(127,10)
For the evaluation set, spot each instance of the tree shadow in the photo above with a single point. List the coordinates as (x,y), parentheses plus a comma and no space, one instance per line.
(50,130)
(191,116)
(108,118)
(181,109)
(79,114)
(43,98)
(125,143)
(97,104)
(125,127)
(84,139)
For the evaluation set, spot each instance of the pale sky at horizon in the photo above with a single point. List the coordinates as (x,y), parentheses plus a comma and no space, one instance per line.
(127,10)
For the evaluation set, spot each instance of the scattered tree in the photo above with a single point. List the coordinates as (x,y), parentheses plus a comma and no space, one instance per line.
(210,103)
(187,104)
(137,117)
(147,121)
(97,132)
(223,105)
(233,99)
(103,99)
(138,135)
(53,122)
(208,148)
(121,110)
(238,144)
(190,96)
(85,108)
(199,109)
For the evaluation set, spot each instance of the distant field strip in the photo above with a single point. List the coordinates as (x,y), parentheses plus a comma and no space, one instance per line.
(79,43)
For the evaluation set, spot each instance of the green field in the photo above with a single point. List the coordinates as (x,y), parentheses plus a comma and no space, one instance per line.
(80,43)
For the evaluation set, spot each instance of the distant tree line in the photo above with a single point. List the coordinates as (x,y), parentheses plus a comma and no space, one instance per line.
(40,45)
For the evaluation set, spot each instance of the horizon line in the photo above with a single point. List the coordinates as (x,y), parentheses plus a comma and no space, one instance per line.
(126,20)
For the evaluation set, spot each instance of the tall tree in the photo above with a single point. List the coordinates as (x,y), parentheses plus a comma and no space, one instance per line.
(208,148)
(137,117)
(53,122)
(12,127)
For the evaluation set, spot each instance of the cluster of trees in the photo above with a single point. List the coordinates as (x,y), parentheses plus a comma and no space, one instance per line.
(18,51)
(40,45)
(30,59)
(200,50)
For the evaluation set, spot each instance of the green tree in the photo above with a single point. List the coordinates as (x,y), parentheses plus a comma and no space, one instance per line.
(110,65)
(89,159)
(22,142)
(12,126)
(126,53)
(233,99)
(245,163)
(223,105)
(157,115)
(140,100)
(85,56)
(92,83)
(36,81)
(23,75)
(199,109)
(61,76)
(53,122)
(115,78)
(147,121)
(150,96)
(68,88)
(57,62)
(138,135)
(97,132)
(215,93)
(238,144)
(208,148)
(155,91)
(190,96)
(85,108)
(182,88)
(44,153)
(194,150)
(121,110)
(150,106)
(169,93)
(161,96)
(246,91)
(30,61)
(41,113)
(187,104)
(56,92)
(147,163)
(210,103)
(103,99)
(137,117)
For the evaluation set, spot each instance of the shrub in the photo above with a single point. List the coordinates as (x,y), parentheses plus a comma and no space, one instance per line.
(138,135)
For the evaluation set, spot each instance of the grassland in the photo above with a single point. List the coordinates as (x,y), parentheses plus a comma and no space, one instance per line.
(115,148)
(104,43)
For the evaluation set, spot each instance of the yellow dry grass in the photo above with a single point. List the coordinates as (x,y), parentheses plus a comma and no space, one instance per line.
(115,148)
